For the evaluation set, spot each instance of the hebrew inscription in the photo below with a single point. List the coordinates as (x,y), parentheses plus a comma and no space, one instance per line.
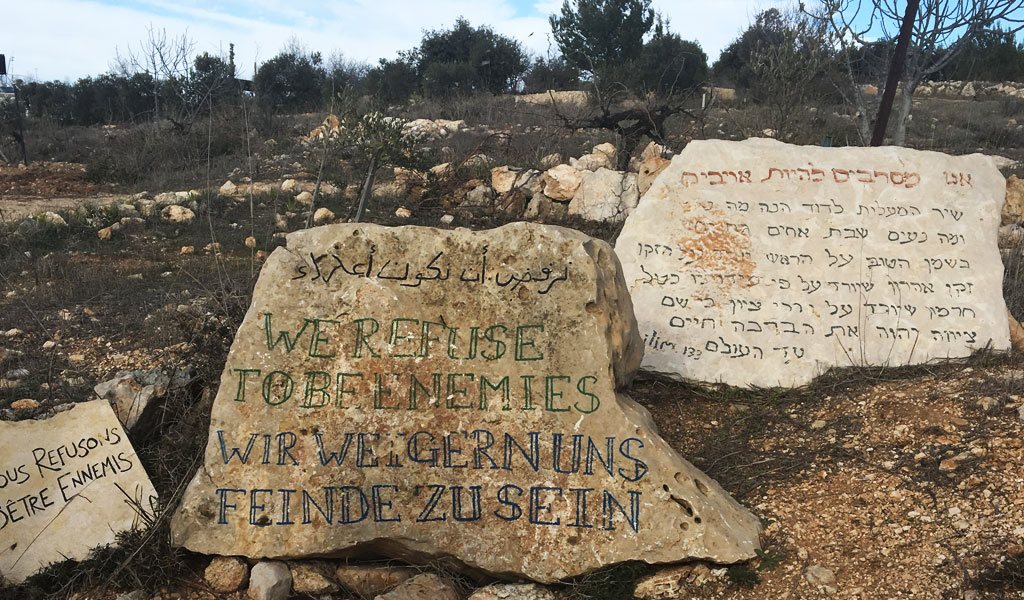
(761,263)
(421,393)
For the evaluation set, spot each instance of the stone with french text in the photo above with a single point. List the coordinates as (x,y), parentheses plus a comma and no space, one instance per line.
(430,394)
(69,484)
(759,263)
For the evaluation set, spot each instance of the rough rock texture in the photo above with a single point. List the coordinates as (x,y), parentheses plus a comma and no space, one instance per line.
(651,150)
(649,171)
(605,195)
(304,198)
(425,586)
(312,577)
(514,591)
(322,216)
(503,179)
(177,214)
(45,459)
(442,351)
(1013,209)
(228,188)
(606,148)
(761,263)
(561,182)
(369,581)
(674,582)
(270,580)
(226,573)
(591,162)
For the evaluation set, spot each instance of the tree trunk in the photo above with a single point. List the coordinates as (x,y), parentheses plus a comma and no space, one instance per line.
(895,74)
(371,172)
(903,116)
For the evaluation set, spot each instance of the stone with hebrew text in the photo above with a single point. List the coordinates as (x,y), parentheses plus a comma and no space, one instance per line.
(428,394)
(762,263)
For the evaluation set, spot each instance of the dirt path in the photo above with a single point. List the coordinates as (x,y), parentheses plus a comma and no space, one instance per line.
(19,207)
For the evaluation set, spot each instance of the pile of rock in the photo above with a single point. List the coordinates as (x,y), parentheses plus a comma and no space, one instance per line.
(587,187)
(969,89)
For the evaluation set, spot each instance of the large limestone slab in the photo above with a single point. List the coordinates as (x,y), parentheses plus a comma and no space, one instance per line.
(425,394)
(67,485)
(761,263)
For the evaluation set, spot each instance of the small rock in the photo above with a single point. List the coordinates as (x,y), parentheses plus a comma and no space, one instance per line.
(369,581)
(186,250)
(105,234)
(49,345)
(323,216)
(177,214)
(304,198)
(290,185)
(228,189)
(425,586)
(310,577)
(514,591)
(226,573)
(12,333)
(551,160)
(947,465)
(403,212)
(53,219)
(819,575)
(280,223)
(561,182)
(24,404)
(212,248)
(250,242)
(819,424)
(18,373)
(447,219)
(270,580)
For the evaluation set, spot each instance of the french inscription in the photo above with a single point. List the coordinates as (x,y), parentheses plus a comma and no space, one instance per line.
(749,270)
(67,484)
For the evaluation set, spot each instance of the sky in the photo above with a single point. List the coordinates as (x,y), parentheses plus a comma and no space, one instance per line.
(67,39)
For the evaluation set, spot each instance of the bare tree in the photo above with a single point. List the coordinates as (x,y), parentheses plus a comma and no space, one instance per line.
(940,30)
(162,57)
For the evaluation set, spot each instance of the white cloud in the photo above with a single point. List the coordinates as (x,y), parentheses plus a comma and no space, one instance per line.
(66,39)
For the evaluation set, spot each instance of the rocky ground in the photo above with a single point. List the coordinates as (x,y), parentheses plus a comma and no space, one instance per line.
(881,483)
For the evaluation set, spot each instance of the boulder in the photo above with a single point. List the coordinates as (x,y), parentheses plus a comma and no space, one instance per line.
(652,150)
(1013,207)
(912,231)
(425,586)
(649,171)
(83,469)
(561,182)
(608,149)
(322,216)
(270,580)
(312,578)
(177,214)
(551,160)
(367,581)
(226,574)
(400,339)
(591,162)
(605,195)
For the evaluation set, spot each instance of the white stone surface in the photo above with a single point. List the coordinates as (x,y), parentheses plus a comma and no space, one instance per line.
(67,482)
(605,195)
(761,263)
